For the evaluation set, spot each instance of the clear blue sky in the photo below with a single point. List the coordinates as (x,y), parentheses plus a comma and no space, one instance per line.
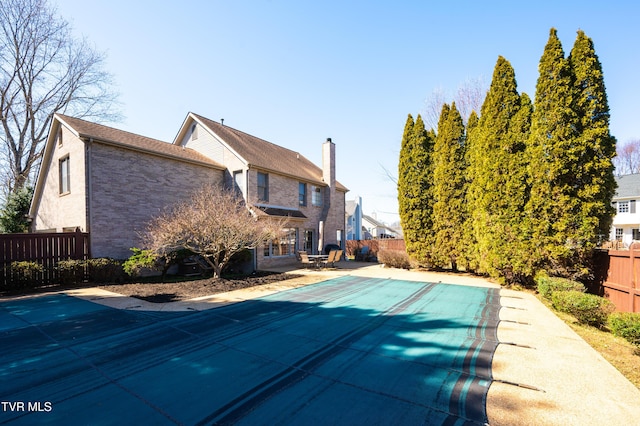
(295,72)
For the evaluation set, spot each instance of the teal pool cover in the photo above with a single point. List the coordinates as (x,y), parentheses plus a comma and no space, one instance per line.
(351,350)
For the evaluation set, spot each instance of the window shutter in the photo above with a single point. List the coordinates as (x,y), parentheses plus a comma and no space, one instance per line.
(632,206)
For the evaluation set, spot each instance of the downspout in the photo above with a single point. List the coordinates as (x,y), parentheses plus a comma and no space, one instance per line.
(246,201)
(88,188)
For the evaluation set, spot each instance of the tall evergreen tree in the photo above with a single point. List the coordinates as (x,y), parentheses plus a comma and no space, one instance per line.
(595,147)
(414,189)
(471,258)
(448,189)
(13,216)
(553,206)
(498,166)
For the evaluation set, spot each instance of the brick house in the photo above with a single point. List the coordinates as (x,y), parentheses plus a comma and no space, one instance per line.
(110,183)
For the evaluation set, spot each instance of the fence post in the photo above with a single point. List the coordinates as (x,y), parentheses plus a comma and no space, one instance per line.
(78,252)
(633,277)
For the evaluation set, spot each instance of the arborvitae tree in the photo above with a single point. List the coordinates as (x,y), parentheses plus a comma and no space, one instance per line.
(470,247)
(414,189)
(448,189)
(553,207)
(594,148)
(498,166)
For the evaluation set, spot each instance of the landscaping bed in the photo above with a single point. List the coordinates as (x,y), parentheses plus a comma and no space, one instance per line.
(175,288)
(185,289)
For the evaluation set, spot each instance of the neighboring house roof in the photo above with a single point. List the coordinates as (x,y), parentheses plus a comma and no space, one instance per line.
(377,224)
(350,207)
(264,155)
(108,135)
(628,186)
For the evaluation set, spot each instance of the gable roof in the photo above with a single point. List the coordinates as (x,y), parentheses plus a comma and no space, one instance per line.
(628,186)
(265,155)
(108,135)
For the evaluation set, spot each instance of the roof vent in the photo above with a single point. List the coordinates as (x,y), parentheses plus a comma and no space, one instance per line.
(222,121)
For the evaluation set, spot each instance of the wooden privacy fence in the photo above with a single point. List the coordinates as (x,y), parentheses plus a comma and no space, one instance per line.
(353,246)
(622,285)
(46,249)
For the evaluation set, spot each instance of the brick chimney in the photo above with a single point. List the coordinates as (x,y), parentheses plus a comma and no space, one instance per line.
(329,163)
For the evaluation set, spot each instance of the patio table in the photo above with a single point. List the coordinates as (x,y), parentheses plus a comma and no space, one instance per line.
(318,258)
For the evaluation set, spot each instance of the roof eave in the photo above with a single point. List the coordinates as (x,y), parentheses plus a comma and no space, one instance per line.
(86,138)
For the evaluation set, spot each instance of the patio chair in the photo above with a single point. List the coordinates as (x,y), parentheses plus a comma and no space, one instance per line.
(338,258)
(304,259)
(363,254)
(331,259)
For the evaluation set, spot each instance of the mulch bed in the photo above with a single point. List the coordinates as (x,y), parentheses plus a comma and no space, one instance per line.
(192,288)
(179,288)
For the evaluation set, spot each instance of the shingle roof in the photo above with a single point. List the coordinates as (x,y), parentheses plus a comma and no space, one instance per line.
(266,155)
(628,186)
(109,135)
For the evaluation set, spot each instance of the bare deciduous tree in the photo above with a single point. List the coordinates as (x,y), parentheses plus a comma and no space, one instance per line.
(433,108)
(469,97)
(213,223)
(627,160)
(43,70)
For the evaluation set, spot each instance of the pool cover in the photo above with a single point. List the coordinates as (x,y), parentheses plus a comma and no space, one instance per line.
(351,350)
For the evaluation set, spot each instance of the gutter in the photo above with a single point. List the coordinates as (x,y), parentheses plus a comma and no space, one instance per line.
(88,186)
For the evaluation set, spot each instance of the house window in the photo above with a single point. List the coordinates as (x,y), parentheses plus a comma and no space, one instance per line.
(619,233)
(238,181)
(282,246)
(316,195)
(263,186)
(636,234)
(59,136)
(623,207)
(65,177)
(194,132)
(302,194)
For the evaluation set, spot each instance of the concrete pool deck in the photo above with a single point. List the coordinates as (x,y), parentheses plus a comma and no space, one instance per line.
(543,373)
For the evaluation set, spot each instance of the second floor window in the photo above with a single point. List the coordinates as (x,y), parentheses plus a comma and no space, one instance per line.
(263,186)
(65,176)
(623,207)
(302,193)
(316,195)
(238,181)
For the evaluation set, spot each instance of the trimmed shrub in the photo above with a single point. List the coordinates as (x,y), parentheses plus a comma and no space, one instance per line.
(626,325)
(140,260)
(71,271)
(394,259)
(239,262)
(587,308)
(547,285)
(25,274)
(103,270)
